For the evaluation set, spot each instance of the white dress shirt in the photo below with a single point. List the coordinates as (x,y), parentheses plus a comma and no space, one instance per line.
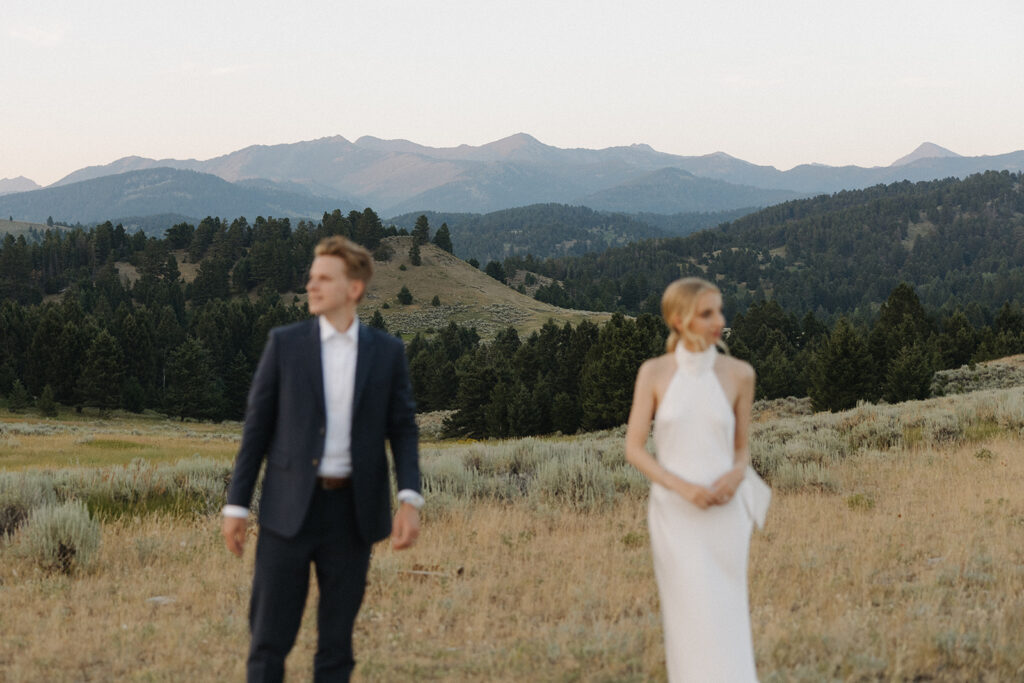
(339,352)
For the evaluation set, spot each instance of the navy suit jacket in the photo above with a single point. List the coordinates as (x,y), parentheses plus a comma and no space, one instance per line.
(285,423)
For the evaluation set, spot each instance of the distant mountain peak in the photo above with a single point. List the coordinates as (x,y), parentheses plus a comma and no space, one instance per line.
(516,141)
(19,184)
(926,150)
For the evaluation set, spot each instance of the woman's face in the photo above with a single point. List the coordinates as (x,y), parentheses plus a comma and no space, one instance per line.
(708,322)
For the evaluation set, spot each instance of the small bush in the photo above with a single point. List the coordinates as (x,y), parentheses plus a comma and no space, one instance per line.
(61,538)
(803,477)
(20,494)
(860,501)
(984,454)
(576,481)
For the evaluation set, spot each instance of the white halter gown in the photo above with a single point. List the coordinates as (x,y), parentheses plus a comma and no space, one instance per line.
(700,556)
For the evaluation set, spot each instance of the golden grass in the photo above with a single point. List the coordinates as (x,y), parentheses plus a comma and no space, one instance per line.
(908,565)
(925,582)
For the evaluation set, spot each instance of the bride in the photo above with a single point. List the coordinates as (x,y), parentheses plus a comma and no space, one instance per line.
(704,497)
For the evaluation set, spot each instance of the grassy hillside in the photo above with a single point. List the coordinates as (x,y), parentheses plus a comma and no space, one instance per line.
(21,227)
(467,296)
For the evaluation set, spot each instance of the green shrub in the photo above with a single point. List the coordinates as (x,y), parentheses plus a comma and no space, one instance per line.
(860,501)
(20,494)
(60,538)
(576,481)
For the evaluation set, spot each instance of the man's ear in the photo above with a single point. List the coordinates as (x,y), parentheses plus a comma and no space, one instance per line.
(356,289)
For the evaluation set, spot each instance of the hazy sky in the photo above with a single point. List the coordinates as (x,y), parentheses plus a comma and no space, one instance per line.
(777,83)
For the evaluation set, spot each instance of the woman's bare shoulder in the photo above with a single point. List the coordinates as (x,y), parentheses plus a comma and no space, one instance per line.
(653,367)
(740,369)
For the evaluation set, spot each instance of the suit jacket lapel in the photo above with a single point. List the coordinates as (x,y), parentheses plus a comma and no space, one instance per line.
(364,361)
(314,365)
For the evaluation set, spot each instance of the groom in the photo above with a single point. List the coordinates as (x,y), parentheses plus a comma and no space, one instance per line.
(327,394)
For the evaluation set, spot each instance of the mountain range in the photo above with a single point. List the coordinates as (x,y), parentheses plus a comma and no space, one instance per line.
(399,176)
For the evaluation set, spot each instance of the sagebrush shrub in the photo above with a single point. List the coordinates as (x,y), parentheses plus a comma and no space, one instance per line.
(20,494)
(60,538)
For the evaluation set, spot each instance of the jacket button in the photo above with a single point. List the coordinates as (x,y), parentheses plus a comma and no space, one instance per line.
(322,431)
(315,462)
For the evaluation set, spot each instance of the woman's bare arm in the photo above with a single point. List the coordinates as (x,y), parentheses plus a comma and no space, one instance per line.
(637,430)
(725,486)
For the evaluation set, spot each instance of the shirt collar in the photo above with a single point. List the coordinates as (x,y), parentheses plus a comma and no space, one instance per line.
(328,331)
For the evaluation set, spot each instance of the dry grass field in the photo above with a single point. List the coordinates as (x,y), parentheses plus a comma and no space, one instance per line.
(894,551)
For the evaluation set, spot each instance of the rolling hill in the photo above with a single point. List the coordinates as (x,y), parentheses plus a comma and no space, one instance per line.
(467,296)
(154,191)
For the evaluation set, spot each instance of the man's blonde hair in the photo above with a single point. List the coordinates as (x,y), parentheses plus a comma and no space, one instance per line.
(680,298)
(358,260)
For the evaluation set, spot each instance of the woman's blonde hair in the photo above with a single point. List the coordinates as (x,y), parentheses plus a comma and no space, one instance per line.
(680,298)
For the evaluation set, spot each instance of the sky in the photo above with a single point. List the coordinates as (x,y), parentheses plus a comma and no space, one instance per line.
(776,83)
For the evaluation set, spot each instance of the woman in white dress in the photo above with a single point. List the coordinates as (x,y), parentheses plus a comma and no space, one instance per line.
(701,510)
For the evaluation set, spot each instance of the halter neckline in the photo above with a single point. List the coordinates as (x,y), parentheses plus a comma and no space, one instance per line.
(694,362)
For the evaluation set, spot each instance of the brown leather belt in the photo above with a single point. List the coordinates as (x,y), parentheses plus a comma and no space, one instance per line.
(333,483)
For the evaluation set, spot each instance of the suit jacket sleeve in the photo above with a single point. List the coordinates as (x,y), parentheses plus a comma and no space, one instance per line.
(260,421)
(402,431)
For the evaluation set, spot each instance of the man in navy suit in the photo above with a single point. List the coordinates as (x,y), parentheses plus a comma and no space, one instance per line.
(327,394)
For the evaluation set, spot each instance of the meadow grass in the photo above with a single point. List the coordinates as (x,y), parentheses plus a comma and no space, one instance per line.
(533,564)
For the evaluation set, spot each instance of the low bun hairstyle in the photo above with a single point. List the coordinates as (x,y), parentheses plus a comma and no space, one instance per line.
(680,299)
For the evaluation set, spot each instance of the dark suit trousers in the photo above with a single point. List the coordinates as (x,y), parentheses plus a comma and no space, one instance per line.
(329,540)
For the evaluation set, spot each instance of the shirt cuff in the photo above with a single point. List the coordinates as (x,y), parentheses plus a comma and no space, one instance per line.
(411,497)
(235,511)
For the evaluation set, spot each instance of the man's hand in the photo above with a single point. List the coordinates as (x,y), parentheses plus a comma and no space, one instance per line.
(406,527)
(233,531)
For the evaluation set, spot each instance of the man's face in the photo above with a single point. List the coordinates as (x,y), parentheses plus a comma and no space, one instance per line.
(329,287)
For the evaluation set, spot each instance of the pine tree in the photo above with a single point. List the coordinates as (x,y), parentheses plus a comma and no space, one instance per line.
(842,370)
(133,397)
(609,371)
(443,238)
(476,378)
(565,413)
(18,399)
(193,390)
(777,376)
(377,321)
(100,384)
(45,404)
(414,254)
(404,296)
(421,232)
(237,379)
(910,375)
(495,270)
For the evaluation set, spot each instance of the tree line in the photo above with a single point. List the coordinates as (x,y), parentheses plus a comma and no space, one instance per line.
(571,378)
(104,340)
(957,242)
